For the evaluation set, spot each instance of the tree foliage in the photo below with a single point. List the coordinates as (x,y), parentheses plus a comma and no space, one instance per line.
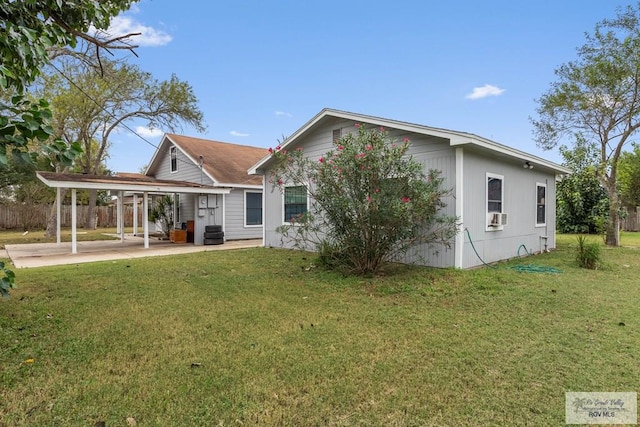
(371,202)
(32,33)
(582,203)
(597,97)
(629,177)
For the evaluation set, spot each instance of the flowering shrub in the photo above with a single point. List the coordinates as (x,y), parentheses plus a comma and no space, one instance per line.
(370,201)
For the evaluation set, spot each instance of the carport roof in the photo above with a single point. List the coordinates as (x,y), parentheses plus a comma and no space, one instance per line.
(127,183)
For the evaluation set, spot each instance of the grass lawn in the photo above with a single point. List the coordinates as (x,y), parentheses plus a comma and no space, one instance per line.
(11,237)
(262,337)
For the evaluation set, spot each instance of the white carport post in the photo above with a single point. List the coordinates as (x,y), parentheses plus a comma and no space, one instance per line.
(135,214)
(58,220)
(74,212)
(121,216)
(145,214)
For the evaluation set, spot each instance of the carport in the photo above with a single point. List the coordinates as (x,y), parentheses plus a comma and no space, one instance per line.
(121,186)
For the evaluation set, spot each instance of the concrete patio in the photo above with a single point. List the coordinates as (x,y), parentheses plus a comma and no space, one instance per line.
(47,254)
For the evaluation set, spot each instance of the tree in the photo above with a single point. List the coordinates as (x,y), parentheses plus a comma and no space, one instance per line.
(582,203)
(371,202)
(629,177)
(31,34)
(88,108)
(597,97)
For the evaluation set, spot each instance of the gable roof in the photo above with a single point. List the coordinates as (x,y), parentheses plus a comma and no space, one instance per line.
(225,163)
(456,138)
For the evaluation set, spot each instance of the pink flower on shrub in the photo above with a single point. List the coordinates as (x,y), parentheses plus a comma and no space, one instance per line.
(377,190)
(405,140)
(369,147)
(357,125)
(406,199)
(278,148)
(270,150)
(321,160)
(299,149)
(381,129)
(368,198)
(340,147)
(280,182)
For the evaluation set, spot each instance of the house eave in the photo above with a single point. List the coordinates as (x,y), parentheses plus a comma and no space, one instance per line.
(455,139)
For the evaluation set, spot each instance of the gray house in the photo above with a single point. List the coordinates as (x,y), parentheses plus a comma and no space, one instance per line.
(218,165)
(503,197)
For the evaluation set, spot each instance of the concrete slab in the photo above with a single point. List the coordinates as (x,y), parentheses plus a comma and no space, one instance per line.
(47,254)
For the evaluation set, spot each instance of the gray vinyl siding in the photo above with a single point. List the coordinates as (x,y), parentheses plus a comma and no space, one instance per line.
(519,202)
(187,170)
(235,228)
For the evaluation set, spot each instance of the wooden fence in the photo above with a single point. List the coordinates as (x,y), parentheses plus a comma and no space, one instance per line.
(35,217)
(632,221)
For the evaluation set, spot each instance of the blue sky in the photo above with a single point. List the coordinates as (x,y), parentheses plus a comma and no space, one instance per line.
(262,69)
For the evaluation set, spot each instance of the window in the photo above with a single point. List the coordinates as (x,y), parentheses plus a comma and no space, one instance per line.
(494,193)
(173,153)
(495,202)
(337,134)
(295,202)
(252,208)
(541,204)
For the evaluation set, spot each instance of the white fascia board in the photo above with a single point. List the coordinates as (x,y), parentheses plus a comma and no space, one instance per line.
(155,154)
(247,186)
(132,187)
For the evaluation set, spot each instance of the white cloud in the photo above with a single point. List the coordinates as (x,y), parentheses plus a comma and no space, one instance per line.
(149,36)
(236,133)
(148,132)
(485,91)
(283,114)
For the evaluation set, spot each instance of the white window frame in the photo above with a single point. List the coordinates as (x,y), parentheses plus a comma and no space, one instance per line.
(306,186)
(489,214)
(173,150)
(544,203)
(245,208)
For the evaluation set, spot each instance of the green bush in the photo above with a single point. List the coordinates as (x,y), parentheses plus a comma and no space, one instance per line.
(587,253)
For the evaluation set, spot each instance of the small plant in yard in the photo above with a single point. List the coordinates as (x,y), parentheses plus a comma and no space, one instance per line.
(587,253)
(6,282)
(162,212)
(371,201)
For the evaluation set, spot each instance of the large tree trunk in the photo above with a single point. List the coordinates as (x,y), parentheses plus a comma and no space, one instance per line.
(613,225)
(51,220)
(91,210)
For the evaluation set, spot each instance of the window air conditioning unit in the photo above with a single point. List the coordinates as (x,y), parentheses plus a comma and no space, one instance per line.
(498,219)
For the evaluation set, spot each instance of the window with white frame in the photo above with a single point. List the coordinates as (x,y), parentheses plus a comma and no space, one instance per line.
(173,155)
(495,201)
(541,204)
(252,208)
(295,202)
